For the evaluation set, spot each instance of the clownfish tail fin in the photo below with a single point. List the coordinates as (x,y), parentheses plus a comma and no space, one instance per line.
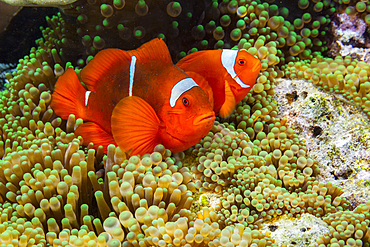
(69,96)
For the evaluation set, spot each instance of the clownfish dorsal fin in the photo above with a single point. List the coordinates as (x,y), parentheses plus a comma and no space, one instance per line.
(228,107)
(103,64)
(198,60)
(135,126)
(155,51)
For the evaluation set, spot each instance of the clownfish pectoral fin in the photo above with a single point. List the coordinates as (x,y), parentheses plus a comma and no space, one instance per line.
(203,84)
(135,126)
(69,96)
(104,63)
(92,132)
(228,107)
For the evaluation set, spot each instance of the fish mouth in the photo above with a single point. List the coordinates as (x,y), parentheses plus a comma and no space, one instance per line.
(256,67)
(204,118)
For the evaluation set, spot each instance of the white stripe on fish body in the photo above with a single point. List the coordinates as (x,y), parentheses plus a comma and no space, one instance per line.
(180,88)
(228,59)
(87,94)
(132,73)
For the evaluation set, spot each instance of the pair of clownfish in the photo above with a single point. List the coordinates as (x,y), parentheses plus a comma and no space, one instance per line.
(137,99)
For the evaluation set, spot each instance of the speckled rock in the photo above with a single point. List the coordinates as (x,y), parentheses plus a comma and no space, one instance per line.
(5,68)
(337,134)
(350,37)
(297,232)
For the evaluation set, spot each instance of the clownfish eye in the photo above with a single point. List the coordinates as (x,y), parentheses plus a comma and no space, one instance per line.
(242,62)
(185,101)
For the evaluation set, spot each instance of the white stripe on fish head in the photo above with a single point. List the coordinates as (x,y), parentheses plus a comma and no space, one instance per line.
(87,94)
(132,73)
(228,59)
(180,88)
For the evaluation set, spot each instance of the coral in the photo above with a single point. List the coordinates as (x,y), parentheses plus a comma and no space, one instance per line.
(262,179)
(345,76)
(190,26)
(251,169)
(7,13)
(48,3)
(348,227)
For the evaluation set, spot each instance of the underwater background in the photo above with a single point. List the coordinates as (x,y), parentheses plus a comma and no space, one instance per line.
(289,167)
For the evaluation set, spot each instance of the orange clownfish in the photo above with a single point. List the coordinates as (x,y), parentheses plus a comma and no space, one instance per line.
(230,73)
(136,100)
